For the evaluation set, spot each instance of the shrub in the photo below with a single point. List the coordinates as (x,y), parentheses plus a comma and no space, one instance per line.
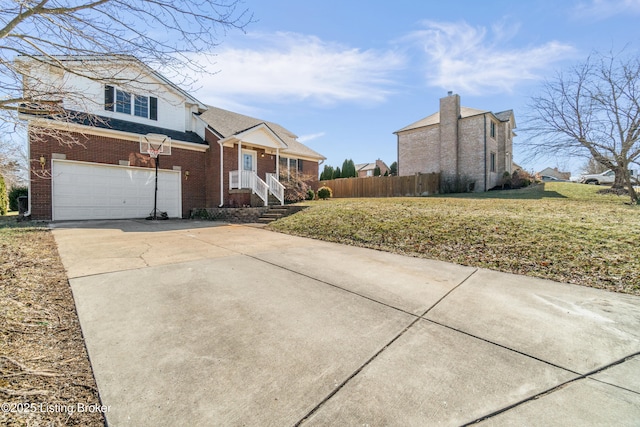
(4,201)
(296,185)
(456,184)
(13,197)
(324,193)
(520,179)
(311,194)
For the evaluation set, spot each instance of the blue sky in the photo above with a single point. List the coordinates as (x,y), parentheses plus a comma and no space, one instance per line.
(344,75)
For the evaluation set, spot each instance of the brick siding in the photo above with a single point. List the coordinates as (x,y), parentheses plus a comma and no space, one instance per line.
(201,189)
(101,149)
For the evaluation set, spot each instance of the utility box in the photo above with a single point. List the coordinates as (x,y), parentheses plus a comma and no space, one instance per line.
(23,204)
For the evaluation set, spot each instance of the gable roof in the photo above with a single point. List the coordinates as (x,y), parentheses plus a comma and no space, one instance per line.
(365,166)
(506,116)
(68,62)
(434,119)
(227,124)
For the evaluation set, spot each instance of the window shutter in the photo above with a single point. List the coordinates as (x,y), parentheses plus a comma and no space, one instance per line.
(153,108)
(108,97)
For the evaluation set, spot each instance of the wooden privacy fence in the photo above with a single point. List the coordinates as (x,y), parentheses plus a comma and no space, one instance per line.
(421,184)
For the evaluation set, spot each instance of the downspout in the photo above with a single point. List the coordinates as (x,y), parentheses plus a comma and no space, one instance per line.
(28,212)
(221,175)
(485,152)
(398,154)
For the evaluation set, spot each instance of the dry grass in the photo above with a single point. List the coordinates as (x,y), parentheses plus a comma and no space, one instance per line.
(560,231)
(44,367)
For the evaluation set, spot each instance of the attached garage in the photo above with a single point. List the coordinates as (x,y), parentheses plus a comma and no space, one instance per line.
(81,190)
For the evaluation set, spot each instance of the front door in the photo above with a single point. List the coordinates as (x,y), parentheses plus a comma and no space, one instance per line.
(249,160)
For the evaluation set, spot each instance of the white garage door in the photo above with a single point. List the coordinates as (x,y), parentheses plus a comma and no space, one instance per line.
(93,191)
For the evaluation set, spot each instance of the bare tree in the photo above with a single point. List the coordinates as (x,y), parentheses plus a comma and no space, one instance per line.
(163,34)
(593,167)
(593,111)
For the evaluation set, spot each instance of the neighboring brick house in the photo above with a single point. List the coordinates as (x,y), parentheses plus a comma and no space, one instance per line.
(554,172)
(86,161)
(459,142)
(368,169)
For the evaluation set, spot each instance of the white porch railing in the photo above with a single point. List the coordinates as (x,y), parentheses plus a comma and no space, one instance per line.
(275,187)
(249,179)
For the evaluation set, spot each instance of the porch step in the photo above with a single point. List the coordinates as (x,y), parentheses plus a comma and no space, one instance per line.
(276,212)
(273,201)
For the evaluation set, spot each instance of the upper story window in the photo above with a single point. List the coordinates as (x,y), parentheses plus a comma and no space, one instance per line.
(124,102)
(141,106)
(493,129)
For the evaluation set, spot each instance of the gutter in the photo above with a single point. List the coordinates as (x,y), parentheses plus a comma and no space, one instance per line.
(485,152)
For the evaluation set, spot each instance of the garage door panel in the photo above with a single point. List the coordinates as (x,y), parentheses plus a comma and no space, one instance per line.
(93,191)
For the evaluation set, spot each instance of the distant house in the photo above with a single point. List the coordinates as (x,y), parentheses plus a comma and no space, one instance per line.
(459,142)
(368,169)
(554,172)
(93,167)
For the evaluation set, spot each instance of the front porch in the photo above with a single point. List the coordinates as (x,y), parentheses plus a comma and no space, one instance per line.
(248,180)
(250,167)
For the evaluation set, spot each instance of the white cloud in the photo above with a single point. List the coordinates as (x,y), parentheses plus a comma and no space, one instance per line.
(309,137)
(476,61)
(288,67)
(603,9)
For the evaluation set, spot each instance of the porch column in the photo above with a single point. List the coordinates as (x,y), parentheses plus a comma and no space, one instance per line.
(239,156)
(278,164)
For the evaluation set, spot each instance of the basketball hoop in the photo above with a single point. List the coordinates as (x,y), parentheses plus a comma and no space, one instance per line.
(156,145)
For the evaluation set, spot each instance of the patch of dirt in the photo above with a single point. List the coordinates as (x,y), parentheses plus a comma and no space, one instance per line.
(616,191)
(45,375)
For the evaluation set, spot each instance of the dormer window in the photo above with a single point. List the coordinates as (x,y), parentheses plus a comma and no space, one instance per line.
(124,102)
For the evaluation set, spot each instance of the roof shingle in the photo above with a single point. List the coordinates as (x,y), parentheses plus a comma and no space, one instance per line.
(227,123)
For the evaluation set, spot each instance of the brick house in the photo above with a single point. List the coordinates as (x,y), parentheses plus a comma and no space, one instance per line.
(368,169)
(86,159)
(554,172)
(457,141)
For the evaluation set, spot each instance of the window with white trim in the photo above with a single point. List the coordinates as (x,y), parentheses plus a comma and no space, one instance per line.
(141,106)
(289,167)
(124,102)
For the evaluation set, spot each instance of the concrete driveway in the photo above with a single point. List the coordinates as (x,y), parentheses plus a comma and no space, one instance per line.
(203,324)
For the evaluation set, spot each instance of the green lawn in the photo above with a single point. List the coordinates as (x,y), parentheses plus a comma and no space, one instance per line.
(561,231)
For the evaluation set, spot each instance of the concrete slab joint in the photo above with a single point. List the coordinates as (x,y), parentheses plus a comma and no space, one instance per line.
(251,328)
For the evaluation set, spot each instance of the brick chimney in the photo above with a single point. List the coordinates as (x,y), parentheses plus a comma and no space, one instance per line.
(449,115)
